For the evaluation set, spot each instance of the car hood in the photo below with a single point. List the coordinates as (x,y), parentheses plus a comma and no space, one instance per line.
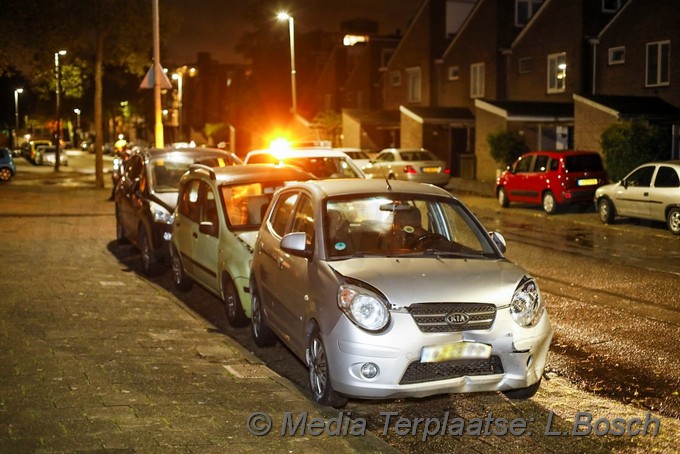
(405,281)
(248,237)
(167,200)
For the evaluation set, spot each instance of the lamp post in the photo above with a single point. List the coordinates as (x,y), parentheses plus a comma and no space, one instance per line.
(77,141)
(291,31)
(17,92)
(179,77)
(57,68)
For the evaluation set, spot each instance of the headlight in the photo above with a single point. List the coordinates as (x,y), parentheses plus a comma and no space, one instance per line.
(363,307)
(160,214)
(527,305)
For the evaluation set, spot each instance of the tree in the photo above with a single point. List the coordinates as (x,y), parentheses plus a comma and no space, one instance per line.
(629,143)
(506,147)
(98,32)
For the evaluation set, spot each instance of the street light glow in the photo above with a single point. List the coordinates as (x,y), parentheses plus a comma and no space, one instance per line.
(57,70)
(291,33)
(17,92)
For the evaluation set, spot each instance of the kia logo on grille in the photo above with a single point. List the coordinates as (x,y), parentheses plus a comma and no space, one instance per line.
(456,319)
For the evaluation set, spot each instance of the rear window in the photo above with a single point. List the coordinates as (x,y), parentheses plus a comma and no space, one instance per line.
(583,163)
(419,155)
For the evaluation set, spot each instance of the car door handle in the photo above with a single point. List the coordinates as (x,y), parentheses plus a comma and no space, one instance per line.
(646,194)
(195,235)
(279,263)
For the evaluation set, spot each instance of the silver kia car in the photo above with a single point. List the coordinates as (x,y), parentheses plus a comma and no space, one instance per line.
(389,289)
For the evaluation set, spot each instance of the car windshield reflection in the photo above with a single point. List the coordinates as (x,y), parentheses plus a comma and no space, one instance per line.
(405,226)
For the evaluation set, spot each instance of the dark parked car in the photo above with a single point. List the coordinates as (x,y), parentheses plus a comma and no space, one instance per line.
(146,197)
(551,179)
(7,167)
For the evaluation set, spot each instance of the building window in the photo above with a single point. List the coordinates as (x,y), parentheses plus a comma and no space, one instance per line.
(477,80)
(414,84)
(526,65)
(395,78)
(557,72)
(658,64)
(385,56)
(454,72)
(617,55)
(611,6)
(524,9)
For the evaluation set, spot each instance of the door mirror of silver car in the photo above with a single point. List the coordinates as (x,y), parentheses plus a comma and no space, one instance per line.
(499,241)
(207,228)
(296,243)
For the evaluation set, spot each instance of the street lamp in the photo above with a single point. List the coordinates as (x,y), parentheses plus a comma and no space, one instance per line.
(179,77)
(282,16)
(77,112)
(57,156)
(17,92)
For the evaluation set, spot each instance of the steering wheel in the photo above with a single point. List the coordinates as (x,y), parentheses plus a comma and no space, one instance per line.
(427,238)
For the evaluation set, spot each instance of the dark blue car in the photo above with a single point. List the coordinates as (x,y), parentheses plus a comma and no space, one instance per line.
(7,167)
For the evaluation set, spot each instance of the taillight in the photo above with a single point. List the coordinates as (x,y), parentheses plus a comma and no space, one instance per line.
(409,169)
(447,171)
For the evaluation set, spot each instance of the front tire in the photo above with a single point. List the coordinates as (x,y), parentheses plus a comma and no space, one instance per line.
(232,304)
(120,231)
(549,203)
(319,372)
(182,282)
(5,174)
(149,261)
(503,198)
(262,333)
(673,221)
(605,210)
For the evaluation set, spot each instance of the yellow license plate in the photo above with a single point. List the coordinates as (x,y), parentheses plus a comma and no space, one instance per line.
(587,182)
(430,169)
(457,350)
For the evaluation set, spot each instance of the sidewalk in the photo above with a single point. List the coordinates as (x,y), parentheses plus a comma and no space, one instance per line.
(95,358)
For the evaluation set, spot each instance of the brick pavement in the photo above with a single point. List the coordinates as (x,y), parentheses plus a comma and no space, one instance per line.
(94,358)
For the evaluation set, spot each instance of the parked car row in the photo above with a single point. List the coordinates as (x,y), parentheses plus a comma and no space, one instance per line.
(554,179)
(382,288)
(40,152)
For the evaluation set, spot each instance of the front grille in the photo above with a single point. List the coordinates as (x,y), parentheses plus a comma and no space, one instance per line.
(432,317)
(418,372)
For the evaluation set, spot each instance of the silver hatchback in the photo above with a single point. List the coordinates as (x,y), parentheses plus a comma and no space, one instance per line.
(651,191)
(394,289)
(419,165)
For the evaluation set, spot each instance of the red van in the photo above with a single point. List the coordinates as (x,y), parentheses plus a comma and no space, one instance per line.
(551,179)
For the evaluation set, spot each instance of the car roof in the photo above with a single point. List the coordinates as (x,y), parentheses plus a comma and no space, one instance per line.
(353,186)
(562,152)
(306,152)
(196,152)
(252,173)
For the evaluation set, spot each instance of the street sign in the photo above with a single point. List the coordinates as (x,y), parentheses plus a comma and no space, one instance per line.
(149,79)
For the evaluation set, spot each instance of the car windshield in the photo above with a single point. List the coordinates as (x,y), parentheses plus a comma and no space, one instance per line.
(357,155)
(397,225)
(246,204)
(166,173)
(325,167)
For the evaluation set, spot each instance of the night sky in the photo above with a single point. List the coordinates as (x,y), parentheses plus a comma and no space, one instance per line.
(215,25)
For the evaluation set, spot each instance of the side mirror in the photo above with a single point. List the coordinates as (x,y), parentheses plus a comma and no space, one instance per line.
(499,241)
(208,228)
(296,244)
(624,183)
